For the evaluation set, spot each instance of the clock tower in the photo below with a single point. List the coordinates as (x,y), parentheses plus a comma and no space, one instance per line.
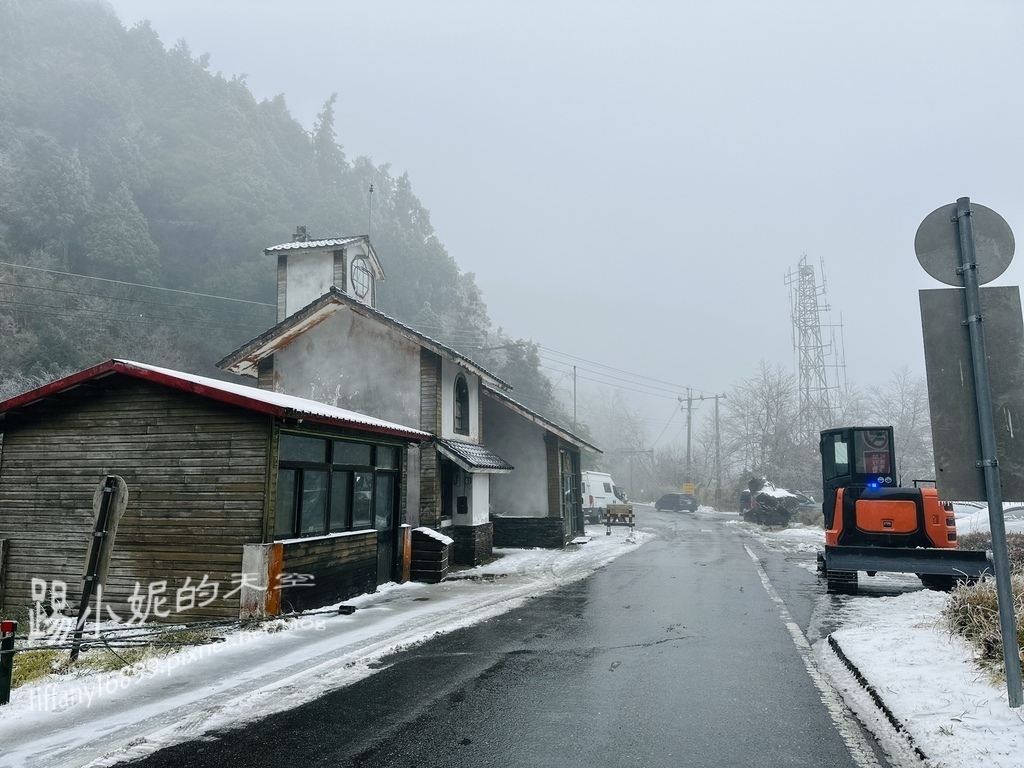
(307,268)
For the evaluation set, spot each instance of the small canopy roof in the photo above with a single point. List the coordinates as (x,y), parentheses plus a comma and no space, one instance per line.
(472,457)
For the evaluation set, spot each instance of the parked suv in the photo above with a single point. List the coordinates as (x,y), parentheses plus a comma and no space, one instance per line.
(676,502)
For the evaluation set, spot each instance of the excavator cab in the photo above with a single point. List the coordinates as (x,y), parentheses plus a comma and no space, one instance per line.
(872,524)
(855,457)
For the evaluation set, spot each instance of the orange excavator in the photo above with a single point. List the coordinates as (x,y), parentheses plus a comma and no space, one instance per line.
(872,524)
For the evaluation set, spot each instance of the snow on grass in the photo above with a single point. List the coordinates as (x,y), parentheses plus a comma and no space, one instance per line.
(926,678)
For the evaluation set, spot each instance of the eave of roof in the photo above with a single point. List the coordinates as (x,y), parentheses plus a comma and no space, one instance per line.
(539,420)
(252,399)
(245,359)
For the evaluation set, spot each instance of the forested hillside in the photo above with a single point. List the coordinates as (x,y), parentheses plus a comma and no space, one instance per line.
(125,164)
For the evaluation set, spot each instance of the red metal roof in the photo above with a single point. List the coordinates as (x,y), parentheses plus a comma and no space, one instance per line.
(252,399)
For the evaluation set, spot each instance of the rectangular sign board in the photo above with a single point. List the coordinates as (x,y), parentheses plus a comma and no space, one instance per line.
(956,436)
(689,488)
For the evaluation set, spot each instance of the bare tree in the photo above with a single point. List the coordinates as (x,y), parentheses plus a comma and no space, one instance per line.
(902,402)
(620,432)
(760,425)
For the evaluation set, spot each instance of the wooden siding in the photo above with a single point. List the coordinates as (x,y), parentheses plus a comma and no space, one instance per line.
(430,421)
(265,373)
(480,412)
(430,392)
(197,478)
(282,286)
(340,566)
(341,270)
(551,443)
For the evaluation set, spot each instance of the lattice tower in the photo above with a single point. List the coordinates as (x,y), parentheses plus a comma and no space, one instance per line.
(819,358)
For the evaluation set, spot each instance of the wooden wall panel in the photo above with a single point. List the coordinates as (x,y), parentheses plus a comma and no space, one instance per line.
(196,476)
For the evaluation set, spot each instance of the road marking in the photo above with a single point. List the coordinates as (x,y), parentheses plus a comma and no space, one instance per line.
(847,726)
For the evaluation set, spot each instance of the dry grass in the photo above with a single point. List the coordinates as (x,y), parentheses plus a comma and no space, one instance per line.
(972,610)
(983,541)
(32,665)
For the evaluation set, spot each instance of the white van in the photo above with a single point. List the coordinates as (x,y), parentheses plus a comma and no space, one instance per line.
(598,492)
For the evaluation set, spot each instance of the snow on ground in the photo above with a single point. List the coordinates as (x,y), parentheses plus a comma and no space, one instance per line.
(952,713)
(921,675)
(100,719)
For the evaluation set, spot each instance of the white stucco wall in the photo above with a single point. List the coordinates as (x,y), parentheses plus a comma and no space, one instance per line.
(310,276)
(354,363)
(478,503)
(523,492)
(449,371)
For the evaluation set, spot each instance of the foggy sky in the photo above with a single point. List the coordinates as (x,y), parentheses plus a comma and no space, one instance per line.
(631,182)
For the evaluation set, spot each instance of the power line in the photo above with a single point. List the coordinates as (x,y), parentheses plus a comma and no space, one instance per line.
(126,299)
(617,370)
(134,285)
(452,336)
(675,392)
(140,319)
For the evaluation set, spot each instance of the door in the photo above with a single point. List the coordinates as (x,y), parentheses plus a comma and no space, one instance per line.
(384,514)
(572,504)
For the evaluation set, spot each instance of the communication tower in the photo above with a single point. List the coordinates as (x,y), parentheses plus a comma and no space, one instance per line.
(820,358)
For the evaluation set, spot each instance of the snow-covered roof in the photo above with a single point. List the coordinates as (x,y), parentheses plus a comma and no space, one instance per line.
(250,398)
(330,243)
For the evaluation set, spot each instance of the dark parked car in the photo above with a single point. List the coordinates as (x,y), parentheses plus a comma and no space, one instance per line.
(676,502)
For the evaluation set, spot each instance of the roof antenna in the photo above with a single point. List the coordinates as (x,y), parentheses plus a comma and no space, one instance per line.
(369,222)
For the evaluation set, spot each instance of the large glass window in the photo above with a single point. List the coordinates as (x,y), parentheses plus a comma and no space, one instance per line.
(362,500)
(314,502)
(341,501)
(284,520)
(328,486)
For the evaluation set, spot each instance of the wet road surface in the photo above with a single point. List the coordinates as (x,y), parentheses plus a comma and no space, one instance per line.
(681,653)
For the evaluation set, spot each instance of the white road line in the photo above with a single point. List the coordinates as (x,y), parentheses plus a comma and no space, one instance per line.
(848,727)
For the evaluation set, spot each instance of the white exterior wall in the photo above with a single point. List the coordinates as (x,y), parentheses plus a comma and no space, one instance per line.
(354,363)
(523,492)
(449,371)
(310,276)
(478,501)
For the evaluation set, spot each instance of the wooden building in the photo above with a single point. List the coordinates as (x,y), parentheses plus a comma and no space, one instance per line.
(331,344)
(254,498)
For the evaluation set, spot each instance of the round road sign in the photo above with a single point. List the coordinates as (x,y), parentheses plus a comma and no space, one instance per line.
(937,244)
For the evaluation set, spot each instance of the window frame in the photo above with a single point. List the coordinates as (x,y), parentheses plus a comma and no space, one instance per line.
(330,522)
(460,405)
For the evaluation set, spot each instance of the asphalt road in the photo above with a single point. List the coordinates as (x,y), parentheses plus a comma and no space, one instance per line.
(688,651)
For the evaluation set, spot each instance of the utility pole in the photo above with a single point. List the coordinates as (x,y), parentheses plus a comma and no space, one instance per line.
(718,456)
(574,398)
(689,426)
(689,423)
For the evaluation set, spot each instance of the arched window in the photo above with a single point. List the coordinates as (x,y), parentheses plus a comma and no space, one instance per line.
(461,405)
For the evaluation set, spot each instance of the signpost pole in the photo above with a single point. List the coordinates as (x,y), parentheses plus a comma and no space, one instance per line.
(989,462)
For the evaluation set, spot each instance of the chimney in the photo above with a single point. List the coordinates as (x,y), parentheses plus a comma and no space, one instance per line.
(300,236)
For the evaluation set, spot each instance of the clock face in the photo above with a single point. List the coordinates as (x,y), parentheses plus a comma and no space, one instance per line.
(360,277)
